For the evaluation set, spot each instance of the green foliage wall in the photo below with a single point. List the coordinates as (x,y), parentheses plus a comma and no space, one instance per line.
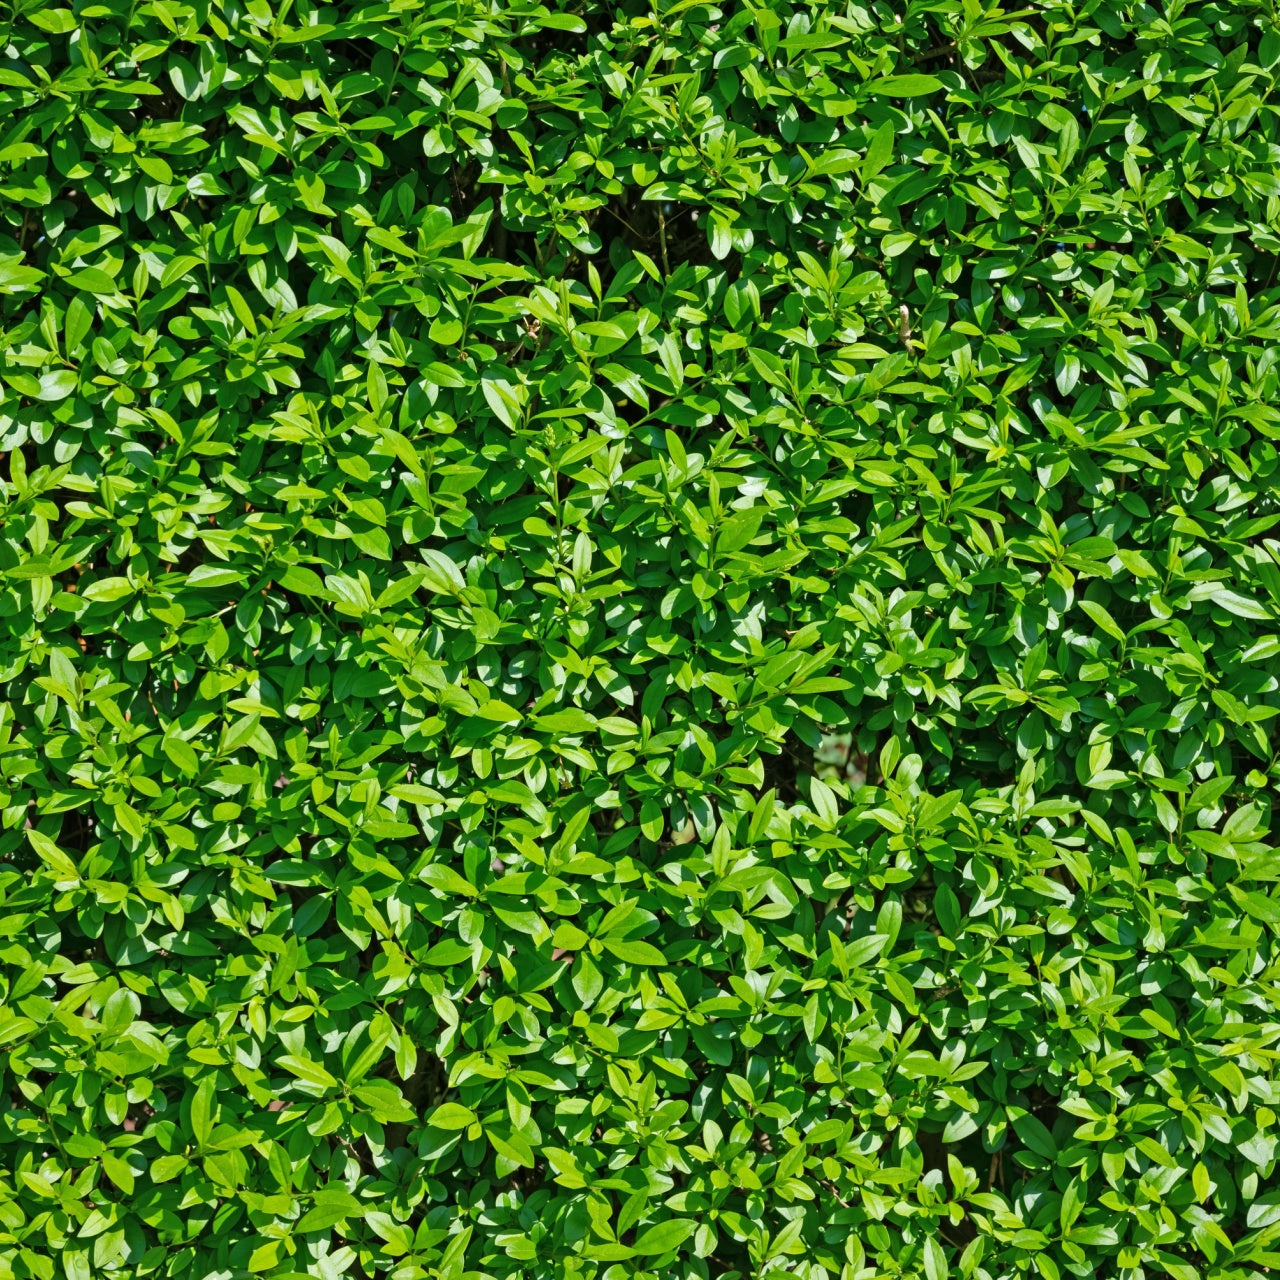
(640,640)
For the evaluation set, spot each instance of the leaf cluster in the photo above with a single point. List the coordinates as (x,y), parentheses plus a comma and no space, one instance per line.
(640,639)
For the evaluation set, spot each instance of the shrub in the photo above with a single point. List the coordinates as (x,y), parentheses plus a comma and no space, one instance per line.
(641,640)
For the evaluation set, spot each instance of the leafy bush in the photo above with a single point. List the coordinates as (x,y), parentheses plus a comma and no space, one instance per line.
(640,639)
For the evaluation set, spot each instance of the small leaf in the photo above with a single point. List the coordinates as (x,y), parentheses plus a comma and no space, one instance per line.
(664,1237)
(52,856)
(202,1110)
(878,154)
(917,86)
(451,1115)
(633,951)
(308,1071)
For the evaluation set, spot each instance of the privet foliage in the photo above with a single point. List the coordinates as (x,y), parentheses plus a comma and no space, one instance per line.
(640,639)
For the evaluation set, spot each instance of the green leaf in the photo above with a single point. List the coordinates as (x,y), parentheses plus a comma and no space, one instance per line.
(664,1237)
(935,1260)
(824,803)
(57,22)
(878,154)
(119,1011)
(331,1205)
(56,385)
(513,1147)
(183,756)
(1236,604)
(308,1071)
(1033,1134)
(451,1115)
(384,1101)
(440,574)
(947,906)
(203,1105)
(53,857)
(915,86)
(118,1171)
(633,951)
(302,581)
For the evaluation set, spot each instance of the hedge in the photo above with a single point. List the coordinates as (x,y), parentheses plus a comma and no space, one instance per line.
(640,639)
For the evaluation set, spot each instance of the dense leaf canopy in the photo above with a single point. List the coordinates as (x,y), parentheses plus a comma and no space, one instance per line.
(641,639)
